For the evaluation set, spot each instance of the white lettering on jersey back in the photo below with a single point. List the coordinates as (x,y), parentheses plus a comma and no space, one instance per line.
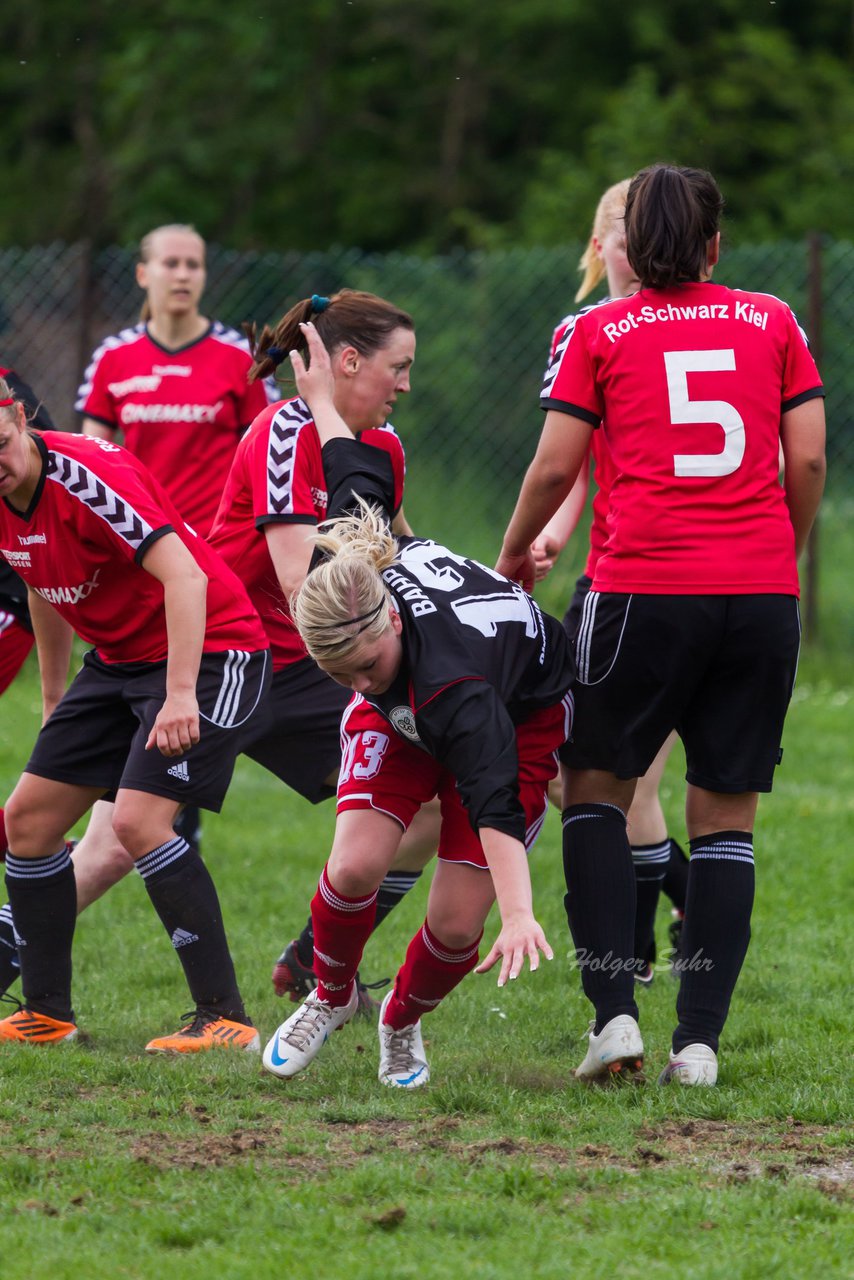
(141,382)
(195,413)
(746,312)
(69,595)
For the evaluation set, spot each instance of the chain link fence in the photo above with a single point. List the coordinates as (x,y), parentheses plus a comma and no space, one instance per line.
(484,323)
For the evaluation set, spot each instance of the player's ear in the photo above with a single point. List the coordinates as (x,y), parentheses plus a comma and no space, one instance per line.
(347,360)
(394,618)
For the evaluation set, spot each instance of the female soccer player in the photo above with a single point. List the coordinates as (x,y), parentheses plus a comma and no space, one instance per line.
(658,860)
(176,387)
(275,495)
(463,694)
(179,666)
(692,619)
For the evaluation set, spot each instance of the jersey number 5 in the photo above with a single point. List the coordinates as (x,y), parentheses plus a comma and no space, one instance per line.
(678,364)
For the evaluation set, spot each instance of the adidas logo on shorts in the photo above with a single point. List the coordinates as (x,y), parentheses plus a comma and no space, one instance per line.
(181,938)
(180,770)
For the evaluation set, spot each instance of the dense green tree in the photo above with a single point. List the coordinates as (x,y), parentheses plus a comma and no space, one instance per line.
(384,123)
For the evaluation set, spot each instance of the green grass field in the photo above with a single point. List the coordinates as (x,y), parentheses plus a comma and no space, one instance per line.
(118,1164)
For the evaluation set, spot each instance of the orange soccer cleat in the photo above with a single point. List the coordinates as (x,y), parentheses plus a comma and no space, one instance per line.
(204,1031)
(28,1027)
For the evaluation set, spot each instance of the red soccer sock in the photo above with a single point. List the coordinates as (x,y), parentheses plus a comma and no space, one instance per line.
(430,971)
(342,926)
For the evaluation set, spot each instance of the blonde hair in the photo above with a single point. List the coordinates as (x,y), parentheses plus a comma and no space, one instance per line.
(6,393)
(342,600)
(609,211)
(146,249)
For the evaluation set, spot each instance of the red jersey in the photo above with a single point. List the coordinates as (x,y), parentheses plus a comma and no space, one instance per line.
(689,384)
(277,477)
(182,412)
(95,512)
(599,461)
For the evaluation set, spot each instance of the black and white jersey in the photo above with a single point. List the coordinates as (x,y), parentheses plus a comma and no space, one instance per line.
(480,657)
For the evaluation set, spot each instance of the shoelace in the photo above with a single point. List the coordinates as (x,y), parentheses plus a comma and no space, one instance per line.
(10,999)
(401,1057)
(308,1024)
(195,1023)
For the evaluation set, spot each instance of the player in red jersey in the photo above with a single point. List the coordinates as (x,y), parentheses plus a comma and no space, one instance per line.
(16,641)
(179,665)
(274,497)
(659,861)
(692,619)
(175,387)
(463,694)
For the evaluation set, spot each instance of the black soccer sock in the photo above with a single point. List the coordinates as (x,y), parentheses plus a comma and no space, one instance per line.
(43,898)
(189,825)
(600,906)
(675,883)
(183,893)
(715,934)
(650,861)
(10,968)
(392,891)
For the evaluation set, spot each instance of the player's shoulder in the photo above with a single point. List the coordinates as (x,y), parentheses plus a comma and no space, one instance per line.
(227,336)
(116,343)
(281,421)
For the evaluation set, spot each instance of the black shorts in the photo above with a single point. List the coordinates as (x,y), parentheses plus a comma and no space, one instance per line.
(297,732)
(718,669)
(96,736)
(572,617)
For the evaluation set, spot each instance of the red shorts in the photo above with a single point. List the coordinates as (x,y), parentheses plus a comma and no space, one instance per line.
(382,771)
(15,643)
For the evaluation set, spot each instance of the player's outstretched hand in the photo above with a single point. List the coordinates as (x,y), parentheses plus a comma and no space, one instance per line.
(314,380)
(545,550)
(519,937)
(518,568)
(176,727)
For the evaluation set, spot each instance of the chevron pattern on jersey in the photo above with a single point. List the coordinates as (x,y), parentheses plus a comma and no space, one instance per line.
(99,498)
(281,451)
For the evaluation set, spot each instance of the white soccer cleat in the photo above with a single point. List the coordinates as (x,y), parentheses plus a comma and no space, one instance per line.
(300,1039)
(616,1051)
(695,1064)
(402,1061)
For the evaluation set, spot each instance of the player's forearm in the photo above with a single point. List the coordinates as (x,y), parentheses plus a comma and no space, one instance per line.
(54,638)
(508,866)
(804,489)
(562,449)
(184,601)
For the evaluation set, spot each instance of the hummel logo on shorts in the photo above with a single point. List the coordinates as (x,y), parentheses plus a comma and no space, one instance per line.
(180,770)
(181,938)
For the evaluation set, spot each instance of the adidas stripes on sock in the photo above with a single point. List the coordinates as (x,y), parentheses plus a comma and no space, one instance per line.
(430,971)
(650,863)
(185,898)
(342,926)
(715,934)
(600,906)
(43,900)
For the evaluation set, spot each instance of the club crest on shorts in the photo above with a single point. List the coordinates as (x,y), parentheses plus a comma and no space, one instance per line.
(403,720)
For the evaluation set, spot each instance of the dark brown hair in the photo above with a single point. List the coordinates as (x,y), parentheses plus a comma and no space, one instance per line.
(671,215)
(350,319)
